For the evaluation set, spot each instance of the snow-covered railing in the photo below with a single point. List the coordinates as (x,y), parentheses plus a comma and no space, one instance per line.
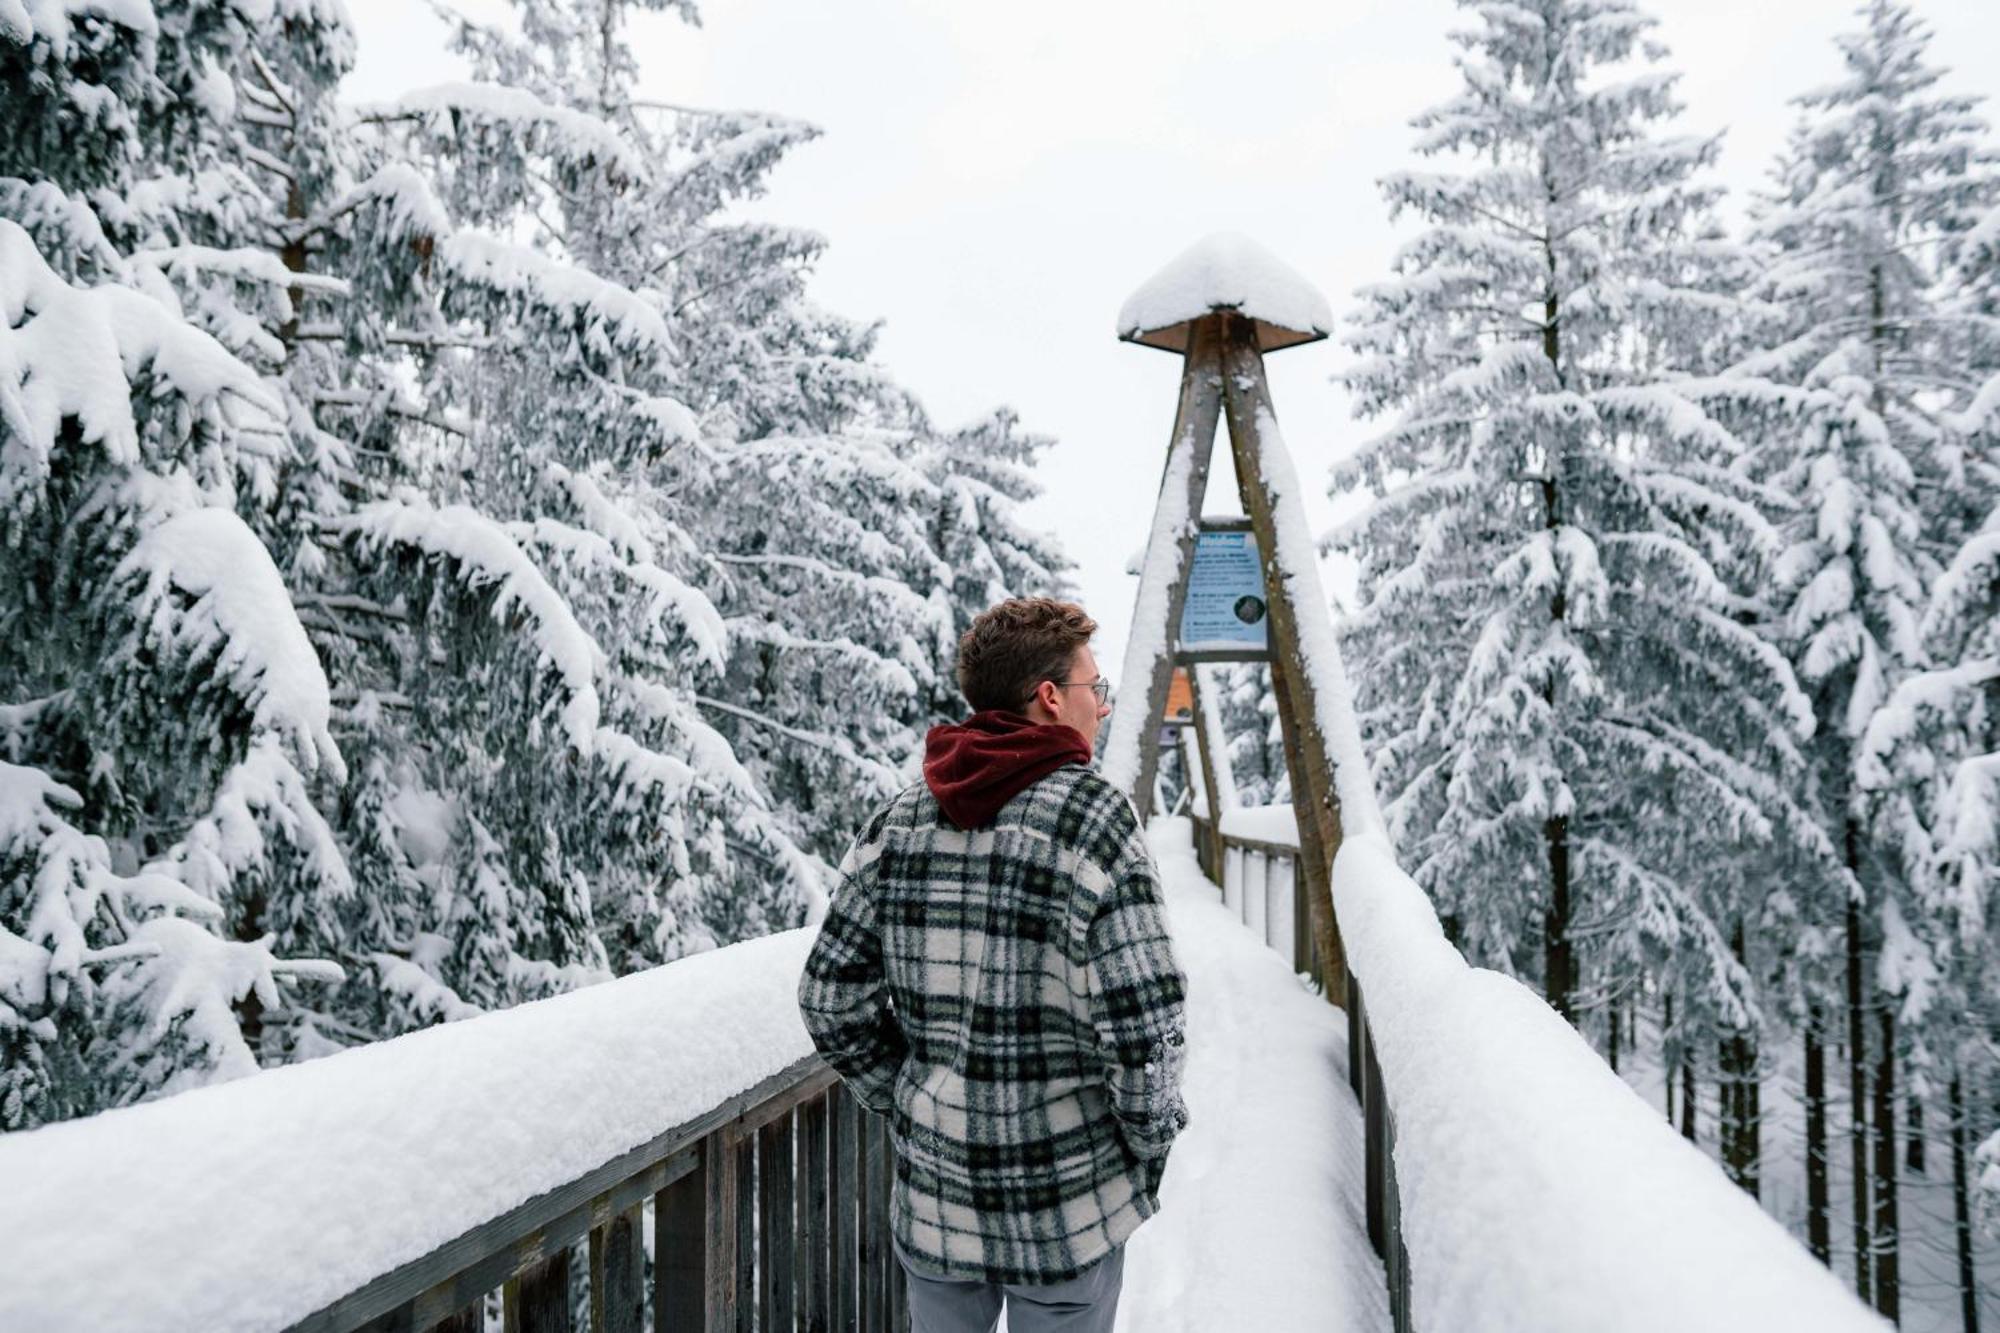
(511,1159)
(1261,879)
(1532,1187)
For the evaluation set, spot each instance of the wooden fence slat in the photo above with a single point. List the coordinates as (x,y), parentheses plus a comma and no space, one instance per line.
(843,1213)
(776,1223)
(538,1300)
(744,1279)
(874,1227)
(617,1274)
(816,1267)
(686,1248)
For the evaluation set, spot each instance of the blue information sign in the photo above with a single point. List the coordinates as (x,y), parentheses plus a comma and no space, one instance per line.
(1225,610)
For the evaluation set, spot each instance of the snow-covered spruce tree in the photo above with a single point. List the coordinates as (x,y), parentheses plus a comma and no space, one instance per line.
(1880,188)
(842,617)
(1572,720)
(164,720)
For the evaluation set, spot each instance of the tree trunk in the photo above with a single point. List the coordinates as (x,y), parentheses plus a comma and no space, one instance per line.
(1615,1034)
(1961,1210)
(1888,1289)
(1687,1099)
(1913,1141)
(1857,1086)
(1667,1068)
(1737,1131)
(1819,1230)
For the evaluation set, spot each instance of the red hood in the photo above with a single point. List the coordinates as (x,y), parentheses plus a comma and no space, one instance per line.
(982,763)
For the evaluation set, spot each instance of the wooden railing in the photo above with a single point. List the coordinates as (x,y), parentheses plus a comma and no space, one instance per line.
(769,1213)
(1263,885)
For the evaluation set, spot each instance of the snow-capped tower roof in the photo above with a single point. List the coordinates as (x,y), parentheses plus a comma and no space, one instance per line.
(1226,271)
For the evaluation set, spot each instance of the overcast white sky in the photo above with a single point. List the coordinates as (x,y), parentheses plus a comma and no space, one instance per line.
(995,179)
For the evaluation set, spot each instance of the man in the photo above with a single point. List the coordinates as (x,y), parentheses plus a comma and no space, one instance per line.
(994,975)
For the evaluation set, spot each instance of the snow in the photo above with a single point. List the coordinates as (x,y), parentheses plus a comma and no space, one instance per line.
(1516,1143)
(1215,737)
(566,288)
(581,134)
(211,592)
(1260,1225)
(1263,823)
(325,1174)
(1226,271)
(69,352)
(487,555)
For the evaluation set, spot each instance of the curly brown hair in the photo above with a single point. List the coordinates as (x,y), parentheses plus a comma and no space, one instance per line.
(1015,646)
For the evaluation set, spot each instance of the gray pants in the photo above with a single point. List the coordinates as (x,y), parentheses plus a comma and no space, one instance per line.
(1084,1304)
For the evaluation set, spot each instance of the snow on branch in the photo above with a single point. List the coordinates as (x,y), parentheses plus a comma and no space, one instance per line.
(210,594)
(488,558)
(561,131)
(70,353)
(570,293)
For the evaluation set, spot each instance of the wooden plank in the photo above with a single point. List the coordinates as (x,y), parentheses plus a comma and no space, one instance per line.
(1354,1035)
(1375,1140)
(1170,551)
(445,1280)
(874,1226)
(777,1226)
(843,1211)
(617,1274)
(744,1164)
(816,1268)
(686,1248)
(1308,756)
(894,1290)
(541,1296)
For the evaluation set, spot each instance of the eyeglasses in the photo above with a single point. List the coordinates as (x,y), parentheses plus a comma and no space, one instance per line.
(1100,687)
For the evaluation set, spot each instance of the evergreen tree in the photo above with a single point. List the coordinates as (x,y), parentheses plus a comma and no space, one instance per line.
(1878,191)
(1557,667)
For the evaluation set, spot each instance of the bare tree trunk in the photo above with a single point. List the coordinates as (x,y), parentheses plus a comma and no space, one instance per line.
(1913,1141)
(1666,1044)
(1687,1099)
(1888,1286)
(1615,1034)
(1857,1088)
(1961,1210)
(1819,1230)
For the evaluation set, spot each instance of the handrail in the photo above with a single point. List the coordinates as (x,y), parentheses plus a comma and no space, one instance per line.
(768,1210)
(1585,1209)
(502,1164)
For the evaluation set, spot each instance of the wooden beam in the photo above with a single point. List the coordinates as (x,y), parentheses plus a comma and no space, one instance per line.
(1247,404)
(1131,749)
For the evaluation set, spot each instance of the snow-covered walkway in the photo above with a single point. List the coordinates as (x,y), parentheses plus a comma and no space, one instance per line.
(1261,1223)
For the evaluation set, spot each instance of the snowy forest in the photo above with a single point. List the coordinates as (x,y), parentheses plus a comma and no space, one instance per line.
(447,559)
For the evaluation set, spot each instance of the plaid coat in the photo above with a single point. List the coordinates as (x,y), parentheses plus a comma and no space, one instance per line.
(1008,997)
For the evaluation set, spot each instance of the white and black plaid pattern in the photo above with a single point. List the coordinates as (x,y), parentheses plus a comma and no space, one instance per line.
(1009,998)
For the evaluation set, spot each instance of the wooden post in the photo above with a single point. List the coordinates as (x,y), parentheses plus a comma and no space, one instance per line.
(814,1241)
(743,1281)
(1247,403)
(617,1274)
(1156,619)
(845,1216)
(538,1300)
(775,1224)
(874,1226)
